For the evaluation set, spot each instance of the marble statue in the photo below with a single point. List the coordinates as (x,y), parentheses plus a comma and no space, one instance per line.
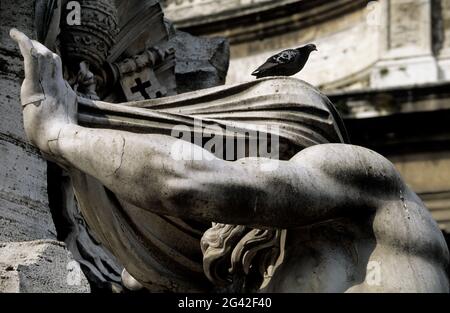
(327,217)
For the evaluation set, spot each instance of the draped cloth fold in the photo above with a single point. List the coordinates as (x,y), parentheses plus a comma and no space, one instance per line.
(163,252)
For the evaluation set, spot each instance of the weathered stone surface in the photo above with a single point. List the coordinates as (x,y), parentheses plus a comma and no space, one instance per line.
(200,62)
(335,39)
(12,14)
(441,31)
(24,211)
(408,57)
(40,267)
(371,43)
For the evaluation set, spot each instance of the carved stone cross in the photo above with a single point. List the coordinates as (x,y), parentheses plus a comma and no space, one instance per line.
(141,87)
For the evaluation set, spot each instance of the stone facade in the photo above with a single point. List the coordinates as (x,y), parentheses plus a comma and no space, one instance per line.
(23,183)
(43,266)
(371,43)
(258,30)
(187,12)
(28,239)
(408,57)
(443,19)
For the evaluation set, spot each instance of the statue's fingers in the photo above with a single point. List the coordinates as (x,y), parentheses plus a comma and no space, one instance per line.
(28,52)
(29,47)
(52,60)
(41,49)
(58,68)
(25,43)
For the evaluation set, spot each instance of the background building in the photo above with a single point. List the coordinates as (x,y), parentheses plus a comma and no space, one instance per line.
(32,259)
(385,64)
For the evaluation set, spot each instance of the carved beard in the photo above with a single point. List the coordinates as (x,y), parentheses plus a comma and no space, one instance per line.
(241,259)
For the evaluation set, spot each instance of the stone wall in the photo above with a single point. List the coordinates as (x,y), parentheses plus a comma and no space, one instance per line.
(23,195)
(361,43)
(347,32)
(441,17)
(348,47)
(188,12)
(407,56)
(28,241)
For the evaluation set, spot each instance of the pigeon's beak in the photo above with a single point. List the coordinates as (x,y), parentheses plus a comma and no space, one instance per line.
(315,49)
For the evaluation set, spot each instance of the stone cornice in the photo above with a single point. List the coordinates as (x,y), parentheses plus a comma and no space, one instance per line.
(407,119)
(187,12)
(373,103)
(266,20)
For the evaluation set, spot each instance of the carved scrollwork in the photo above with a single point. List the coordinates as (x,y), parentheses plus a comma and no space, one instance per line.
(92,40)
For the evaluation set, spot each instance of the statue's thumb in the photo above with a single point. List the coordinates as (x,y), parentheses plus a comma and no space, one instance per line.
(32,91)
(25,44)
(19,37)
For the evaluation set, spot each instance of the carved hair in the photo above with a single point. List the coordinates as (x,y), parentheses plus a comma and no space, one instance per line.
(241,258)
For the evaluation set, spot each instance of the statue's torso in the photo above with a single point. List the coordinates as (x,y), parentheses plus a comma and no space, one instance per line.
(397,249)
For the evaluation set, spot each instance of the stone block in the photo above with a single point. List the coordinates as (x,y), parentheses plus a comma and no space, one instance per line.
(200,62)
(405,72)
(40,267)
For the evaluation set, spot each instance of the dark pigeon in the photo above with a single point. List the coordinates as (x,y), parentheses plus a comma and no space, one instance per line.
(286,63)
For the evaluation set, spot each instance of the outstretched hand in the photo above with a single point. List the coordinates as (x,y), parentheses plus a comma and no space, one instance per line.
(48,101)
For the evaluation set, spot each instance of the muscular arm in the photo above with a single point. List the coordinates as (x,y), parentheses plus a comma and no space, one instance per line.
(318,184)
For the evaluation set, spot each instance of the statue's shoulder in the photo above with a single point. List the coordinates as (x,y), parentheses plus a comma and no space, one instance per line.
(353,165)
(286,83)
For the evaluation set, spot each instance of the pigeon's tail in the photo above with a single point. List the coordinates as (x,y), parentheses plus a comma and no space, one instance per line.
(258,74)
(265,70)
